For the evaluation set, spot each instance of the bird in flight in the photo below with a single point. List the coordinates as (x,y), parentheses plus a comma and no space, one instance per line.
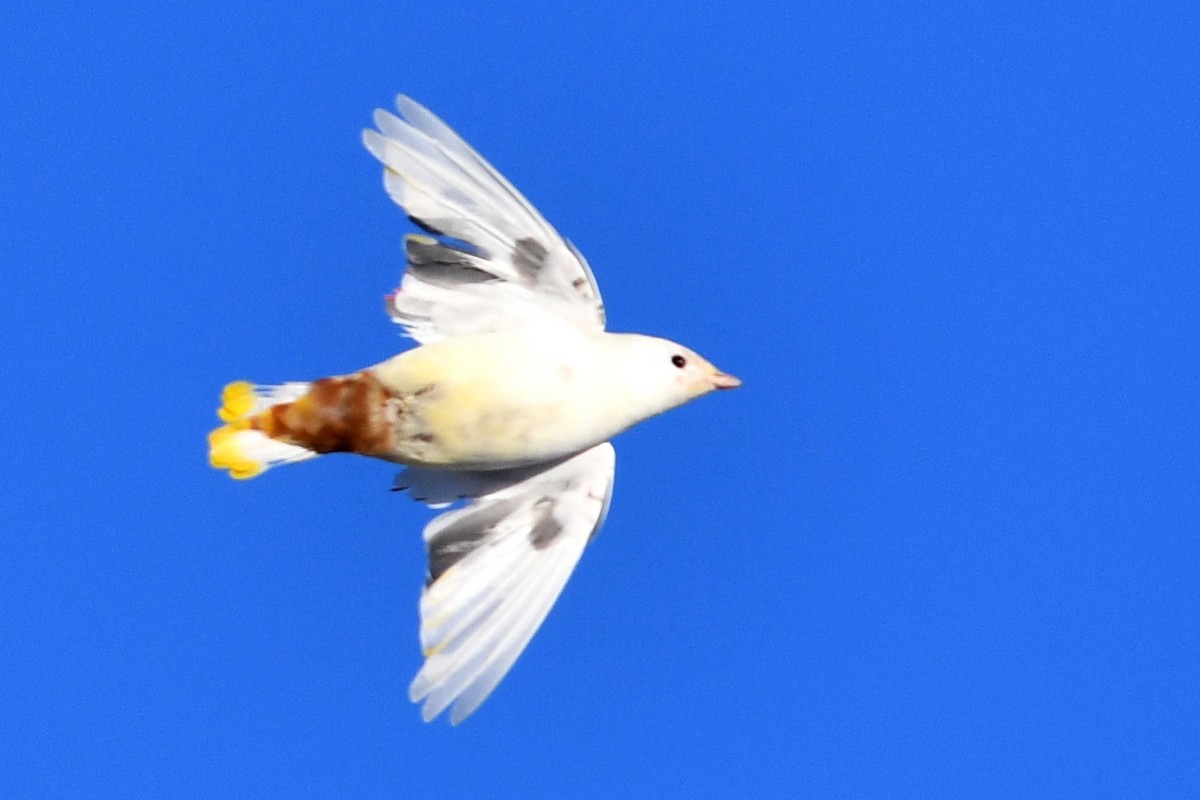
(501,415)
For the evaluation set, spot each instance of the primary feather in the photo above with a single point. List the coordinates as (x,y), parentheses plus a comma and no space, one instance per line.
(513,263)
(497,566)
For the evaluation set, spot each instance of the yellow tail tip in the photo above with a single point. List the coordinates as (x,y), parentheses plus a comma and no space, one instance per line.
(224,452)
(237,401)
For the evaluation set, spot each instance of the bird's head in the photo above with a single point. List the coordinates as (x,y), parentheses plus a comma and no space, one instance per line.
(660,374)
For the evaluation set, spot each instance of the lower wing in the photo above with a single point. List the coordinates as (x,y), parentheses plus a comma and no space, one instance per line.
(497,565)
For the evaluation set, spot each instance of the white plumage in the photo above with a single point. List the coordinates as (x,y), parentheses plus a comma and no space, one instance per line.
(507,405)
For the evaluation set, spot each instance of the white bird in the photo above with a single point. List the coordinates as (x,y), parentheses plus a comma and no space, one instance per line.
(507,403)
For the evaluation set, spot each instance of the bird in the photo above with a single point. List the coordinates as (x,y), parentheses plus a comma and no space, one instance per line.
(500,417)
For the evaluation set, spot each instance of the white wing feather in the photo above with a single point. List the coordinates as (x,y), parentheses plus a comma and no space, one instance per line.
(497,566)
(491,260)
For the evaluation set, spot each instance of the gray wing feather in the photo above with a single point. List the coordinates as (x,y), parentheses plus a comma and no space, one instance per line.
(515,264)
(496,567)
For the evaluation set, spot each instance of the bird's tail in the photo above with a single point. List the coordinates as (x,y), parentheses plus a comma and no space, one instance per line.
(243,445)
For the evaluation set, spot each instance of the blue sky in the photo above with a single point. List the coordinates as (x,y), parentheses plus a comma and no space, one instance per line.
(944,542)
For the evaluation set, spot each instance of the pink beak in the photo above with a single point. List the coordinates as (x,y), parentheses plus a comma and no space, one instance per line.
(722,380)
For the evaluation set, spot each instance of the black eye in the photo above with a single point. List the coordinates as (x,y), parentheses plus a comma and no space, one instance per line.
(679,361)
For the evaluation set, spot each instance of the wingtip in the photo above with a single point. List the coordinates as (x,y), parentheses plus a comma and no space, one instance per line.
(405,102)
(384,118)
(375,142)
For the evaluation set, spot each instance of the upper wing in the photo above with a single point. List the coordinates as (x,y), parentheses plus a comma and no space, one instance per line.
(490,260)
(497,565)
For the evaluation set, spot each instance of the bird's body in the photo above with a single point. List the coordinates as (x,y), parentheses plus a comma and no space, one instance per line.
(509,403)
(497,400)
(487,401)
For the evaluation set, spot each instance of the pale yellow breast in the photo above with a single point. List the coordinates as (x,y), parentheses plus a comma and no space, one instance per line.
(500,399)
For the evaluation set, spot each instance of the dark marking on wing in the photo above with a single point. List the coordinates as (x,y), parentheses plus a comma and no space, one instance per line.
(529,257)
(424,437)
(546,528)
(456,541)
(442,264)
